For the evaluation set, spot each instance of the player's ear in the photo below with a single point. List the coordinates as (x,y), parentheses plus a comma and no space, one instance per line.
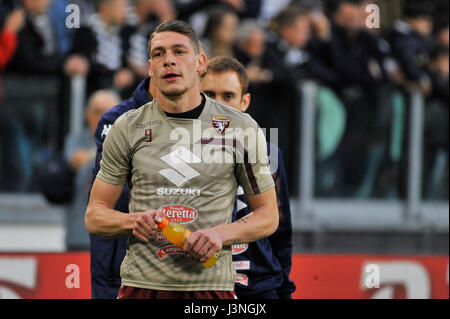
(202,60)
(245,103)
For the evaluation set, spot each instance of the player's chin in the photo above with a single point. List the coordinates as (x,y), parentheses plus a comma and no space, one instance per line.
(173,92)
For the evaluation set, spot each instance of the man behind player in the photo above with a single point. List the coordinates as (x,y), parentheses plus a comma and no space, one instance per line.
(264,266)
(140,149)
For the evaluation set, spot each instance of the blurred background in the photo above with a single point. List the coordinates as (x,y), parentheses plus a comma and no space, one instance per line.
(357,90)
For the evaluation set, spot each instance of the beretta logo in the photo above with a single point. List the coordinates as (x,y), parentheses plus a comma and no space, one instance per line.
(180,214)
(239,248)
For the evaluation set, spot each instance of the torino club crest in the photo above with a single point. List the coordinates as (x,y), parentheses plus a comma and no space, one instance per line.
(220,124)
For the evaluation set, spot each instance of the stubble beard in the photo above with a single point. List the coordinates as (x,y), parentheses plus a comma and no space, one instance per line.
(176,94)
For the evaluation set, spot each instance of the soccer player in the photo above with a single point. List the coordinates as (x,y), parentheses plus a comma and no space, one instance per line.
(148,147)
(107,254)
(264,265)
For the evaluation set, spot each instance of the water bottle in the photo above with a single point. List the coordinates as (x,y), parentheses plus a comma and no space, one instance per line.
(177,234)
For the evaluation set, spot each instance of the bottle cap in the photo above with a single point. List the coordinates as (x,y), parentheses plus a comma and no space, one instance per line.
(163,224)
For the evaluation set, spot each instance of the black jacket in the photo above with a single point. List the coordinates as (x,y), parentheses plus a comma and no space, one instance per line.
(30,57)
(348,58)
(411,51)
(86,44)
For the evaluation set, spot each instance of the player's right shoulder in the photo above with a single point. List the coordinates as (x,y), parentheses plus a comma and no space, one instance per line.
(119,113)
(134,115)
(127,121)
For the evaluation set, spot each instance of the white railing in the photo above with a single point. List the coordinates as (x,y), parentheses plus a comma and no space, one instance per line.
(415,145)
(77,102)
(412,214)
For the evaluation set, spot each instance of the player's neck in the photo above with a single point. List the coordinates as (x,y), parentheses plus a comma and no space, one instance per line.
(188,101)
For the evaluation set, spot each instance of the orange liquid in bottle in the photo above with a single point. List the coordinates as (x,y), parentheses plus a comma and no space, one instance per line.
(177,234)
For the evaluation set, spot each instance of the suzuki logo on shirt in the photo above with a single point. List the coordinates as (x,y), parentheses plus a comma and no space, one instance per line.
(180,172)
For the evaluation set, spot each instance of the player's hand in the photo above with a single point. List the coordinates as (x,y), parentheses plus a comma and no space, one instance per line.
(202,244)
(146,224)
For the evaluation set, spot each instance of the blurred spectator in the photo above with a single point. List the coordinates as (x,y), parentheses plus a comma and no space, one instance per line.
(292,33)
(249,50)
(411,44)
(250,9)
(436,152)
(441,21)
(163,10)
(140,11)
(220,33)
(80,153)
(100,48)
(349,50)
(438,70)
(411,41)
(273,83)
(288,61)
(270,9)
(357,62)
(442,31)
(197,12)
(38,51)
(320,25)
(14,171)
(15,168)
(8,36)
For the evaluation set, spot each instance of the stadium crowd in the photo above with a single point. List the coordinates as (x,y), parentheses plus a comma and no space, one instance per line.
(364,76)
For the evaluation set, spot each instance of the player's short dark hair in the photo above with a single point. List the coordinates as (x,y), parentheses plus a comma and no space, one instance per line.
(221,64)
(178,27)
